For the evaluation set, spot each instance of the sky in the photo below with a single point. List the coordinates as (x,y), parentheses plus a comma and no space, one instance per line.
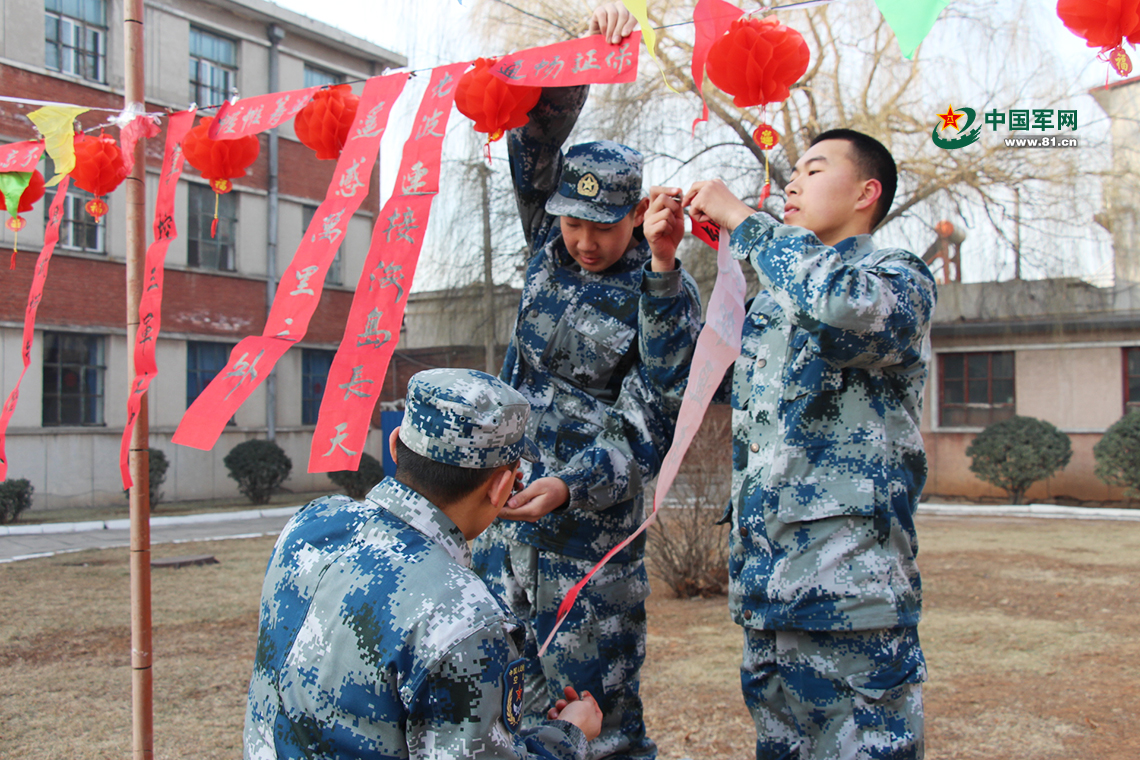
(433,32)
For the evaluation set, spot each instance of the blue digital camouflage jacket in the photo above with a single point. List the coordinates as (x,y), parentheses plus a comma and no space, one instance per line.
(828,461)
(602,358)
(376,641)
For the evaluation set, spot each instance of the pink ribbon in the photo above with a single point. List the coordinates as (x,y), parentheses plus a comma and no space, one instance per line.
(716,350)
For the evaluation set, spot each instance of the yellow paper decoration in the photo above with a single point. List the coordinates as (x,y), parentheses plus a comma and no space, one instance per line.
(640,12)
(55,123)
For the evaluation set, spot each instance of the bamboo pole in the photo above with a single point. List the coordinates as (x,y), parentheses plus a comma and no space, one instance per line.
(142,692)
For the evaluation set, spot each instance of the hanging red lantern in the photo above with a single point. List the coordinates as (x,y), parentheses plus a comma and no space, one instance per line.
(491,103)
(757,61)
(32,193)
(766,137)
(99,169)
(1104,24)
(323,124)
(219,161)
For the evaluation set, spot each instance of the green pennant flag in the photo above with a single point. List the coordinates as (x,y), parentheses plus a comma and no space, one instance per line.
(910,20)
(12,186)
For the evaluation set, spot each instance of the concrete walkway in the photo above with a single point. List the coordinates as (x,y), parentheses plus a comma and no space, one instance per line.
(19,542)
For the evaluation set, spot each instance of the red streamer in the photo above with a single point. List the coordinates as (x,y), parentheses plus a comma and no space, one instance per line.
(35,295)
(253,115)
(587,60)
(150,305)
(302,282)
(711,19)
(717,348)
(373,327)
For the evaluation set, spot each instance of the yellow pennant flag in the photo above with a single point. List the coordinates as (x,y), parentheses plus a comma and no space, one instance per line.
(55,123)
(641,13)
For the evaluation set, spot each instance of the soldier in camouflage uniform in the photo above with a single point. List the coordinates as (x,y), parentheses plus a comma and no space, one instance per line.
(828,463)
(376,639)
(606,327)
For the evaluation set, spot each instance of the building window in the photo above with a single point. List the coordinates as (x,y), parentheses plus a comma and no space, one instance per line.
(78,230)
(1131,378)
(213,67)
(315,77)
(73,379)
(335,275)
(203,250)
(76,33)
(315,367)
(204,361)
(976,389)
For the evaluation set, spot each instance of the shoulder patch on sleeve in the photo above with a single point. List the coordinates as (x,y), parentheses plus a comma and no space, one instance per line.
(513,694)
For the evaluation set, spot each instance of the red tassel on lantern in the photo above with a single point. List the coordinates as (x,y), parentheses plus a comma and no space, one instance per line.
(1104,24)
(757,61)
(219,160)
(491,103)
(324,123)
(32,193)
(99,169)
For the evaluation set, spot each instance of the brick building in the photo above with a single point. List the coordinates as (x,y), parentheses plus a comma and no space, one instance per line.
(65,434)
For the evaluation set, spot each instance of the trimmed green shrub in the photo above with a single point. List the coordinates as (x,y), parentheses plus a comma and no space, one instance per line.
(159,464)
(15,497)
(259,467)
(357,483)
(1118,454)
(1014,454)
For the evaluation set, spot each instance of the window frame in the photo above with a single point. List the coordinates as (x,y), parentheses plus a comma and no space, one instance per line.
(75,59)
(194,347)
(91,404)
(975,414)
(311,402)
(198,223)
(1129,402)
(204,90)
(327,78)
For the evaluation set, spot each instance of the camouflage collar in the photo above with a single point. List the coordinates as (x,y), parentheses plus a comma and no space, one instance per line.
(854,248)
(408,505)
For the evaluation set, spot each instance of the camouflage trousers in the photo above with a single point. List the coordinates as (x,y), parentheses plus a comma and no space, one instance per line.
(599,648)
(835,695)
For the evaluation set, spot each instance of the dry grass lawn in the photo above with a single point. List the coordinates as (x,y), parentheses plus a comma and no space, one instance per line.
(1030,633)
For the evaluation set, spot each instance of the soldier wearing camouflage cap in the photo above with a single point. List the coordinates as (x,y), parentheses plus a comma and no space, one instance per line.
(375,638)
(606,327)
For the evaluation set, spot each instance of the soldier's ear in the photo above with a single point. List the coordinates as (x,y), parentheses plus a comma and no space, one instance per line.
(392,442)
(501,484)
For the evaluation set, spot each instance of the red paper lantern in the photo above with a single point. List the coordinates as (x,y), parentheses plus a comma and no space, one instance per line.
(219,160)
(324,123)
(491,103)
(32,193)
(757,61)
(99,169)
(766,136)
(1102,24)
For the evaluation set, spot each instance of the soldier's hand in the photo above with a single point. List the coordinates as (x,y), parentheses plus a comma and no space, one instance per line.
(712,201)
(664,226)
(582,711)
(537,500)
(612,20)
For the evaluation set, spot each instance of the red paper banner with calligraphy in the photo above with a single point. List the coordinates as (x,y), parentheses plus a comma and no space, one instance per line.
(150,305)
(587,60)
(35,295)
(302,283)
(373,327)
(252,115)
(717,348)
(21,156)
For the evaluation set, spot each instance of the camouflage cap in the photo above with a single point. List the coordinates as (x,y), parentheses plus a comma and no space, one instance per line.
(466,418)
(601,182)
